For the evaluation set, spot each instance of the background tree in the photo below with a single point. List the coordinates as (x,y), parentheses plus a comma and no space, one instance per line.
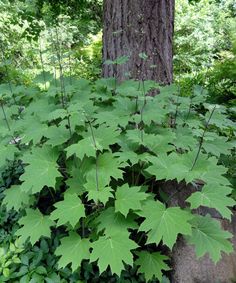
(143,31)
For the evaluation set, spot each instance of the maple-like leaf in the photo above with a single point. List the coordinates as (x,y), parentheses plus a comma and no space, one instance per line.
(13,202)
(129,88)
(205,168)
(70,210)
(81,148)
(128,198)
(107,167)
(81,88)
(180,166)
(150,113)
(218,119)
(128,155)
(102,193)
(31,129)
(158,143)
(218,146)
(57,114)
(209,237)
(40,108)
(113,251)
(57,135)
(163,223)
(76,182)
(151,264)
(35,225)
(215,197)
(184,138)
(7,153)
(112,118)
(41,171)
(104,136)
(155,143)
(73,250)
(113,223)
(168,167)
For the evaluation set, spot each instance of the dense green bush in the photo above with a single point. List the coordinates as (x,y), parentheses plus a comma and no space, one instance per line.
(93,159)
(89,159)
(221,79)
(202,30)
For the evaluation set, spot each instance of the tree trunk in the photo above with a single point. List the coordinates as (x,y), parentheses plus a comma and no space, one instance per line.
(132,27)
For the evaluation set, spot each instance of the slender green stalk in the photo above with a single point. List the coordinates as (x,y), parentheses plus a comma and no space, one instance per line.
(142,109)
(5,117)
(202,139)
(8,125)
(55,75)
(7,72)
(176,110)
(95,145)
(190,107)
(115,77)
(62,82)
(54,44)
(70,68)
(189,111)
(42,63)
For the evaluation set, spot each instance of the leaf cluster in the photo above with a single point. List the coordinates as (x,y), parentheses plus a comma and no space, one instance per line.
(94,157)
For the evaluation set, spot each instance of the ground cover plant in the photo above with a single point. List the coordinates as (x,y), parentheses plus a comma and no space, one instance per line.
(100,180)
(90,161)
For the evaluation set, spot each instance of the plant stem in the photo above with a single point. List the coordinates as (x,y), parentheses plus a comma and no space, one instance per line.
(142,109)
(95,145)
(7,72)
(189,111)
(8,127)
(177,108)
(202,139)
(62,81)
(83,227)
(55,76)
(42,64)
(5,117)
(70,69)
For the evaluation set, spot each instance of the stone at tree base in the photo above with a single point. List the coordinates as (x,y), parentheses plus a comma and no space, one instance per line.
(188,269)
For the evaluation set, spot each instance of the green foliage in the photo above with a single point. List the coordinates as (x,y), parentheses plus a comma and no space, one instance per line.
(129,198)
(205,48)
(221,78)
(73,250)
(83,162)
(42,166)
(152,264)
(205,231)
(75,210)
(202,29)
(90,185)
(35,225)
(213,196)
(118,247)
(163,223)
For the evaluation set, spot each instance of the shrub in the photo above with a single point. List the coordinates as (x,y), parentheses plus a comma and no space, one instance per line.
(95,156)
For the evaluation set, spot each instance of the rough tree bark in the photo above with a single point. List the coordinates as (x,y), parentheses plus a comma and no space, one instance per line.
(132,27)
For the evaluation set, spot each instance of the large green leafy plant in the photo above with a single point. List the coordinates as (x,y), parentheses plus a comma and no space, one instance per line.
(94,157)
(202,30)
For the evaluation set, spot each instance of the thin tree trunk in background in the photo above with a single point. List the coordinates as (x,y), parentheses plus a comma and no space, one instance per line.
(132,27)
